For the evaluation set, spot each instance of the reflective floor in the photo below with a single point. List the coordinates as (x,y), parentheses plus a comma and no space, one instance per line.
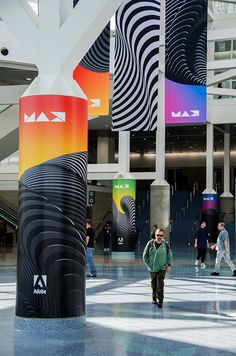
(198,315)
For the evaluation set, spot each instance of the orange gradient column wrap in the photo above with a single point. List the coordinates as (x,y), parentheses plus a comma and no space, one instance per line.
(63,131)
(52,207)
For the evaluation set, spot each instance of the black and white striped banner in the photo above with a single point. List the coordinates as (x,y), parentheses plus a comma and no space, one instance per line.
(136,66)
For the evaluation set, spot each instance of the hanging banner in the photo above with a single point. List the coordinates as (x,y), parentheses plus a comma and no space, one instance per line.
(124,217)
(186,61)
(136,66)
(52,207)
(210,214)
(92,74)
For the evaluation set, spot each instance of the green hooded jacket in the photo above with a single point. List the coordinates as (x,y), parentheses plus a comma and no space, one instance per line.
(157,259)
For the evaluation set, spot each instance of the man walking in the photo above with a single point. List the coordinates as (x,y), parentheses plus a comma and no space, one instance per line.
(201,243)
(90,249)
(157,257)
(223,251)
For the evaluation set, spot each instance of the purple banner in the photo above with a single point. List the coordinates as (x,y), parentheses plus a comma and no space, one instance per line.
(186,66)
(209,201)
(210,214)
(185,103)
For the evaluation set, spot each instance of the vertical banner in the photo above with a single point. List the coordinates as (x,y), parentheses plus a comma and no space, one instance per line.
(136,66)
(186,61)
(124,219)
(210,214)
(92,74)
(52,207)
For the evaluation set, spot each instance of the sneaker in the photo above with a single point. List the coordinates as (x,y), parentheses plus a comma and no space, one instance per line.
(90,275)
(234,273)
(154,301)
(215,274)
(196,262)
(203,266)
(159,304)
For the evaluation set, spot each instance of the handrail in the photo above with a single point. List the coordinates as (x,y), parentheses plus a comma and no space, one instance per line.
(7,202)
(102,222)
(8,212)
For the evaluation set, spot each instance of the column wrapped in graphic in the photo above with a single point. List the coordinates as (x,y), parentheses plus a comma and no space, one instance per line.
(136,65)
(124,217)
(52,207)
(186,61)
(210,214)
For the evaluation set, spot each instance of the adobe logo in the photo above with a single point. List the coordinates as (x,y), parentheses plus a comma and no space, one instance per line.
(54,116)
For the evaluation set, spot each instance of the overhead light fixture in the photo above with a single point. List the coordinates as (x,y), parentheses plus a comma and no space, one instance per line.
(28,78)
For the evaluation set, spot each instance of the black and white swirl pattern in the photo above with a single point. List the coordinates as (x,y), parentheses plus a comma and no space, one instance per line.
(97,59)
(186,41)
(124,226)
(51,238)
(136,66)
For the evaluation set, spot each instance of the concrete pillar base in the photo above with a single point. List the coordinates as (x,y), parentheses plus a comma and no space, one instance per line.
(227,209)
(160,207)
(60,326)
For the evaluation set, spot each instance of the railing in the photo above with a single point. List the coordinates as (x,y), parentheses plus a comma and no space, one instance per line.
(99,227)
(8,212)
(181,213)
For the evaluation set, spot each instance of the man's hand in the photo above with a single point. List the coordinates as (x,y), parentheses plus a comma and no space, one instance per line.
(168,268)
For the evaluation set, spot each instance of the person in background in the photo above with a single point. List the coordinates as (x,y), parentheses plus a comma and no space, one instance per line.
(90,249)
(223,251)
(154,229)
(106,234)
(3,229)
(201,243)
(157,256)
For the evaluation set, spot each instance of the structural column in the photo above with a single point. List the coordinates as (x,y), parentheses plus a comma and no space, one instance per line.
(209,196)
(226,198)
(124,196)
(160,189)
(53,162)
(102,149)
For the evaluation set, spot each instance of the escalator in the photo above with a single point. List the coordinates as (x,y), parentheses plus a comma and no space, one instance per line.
(8,212)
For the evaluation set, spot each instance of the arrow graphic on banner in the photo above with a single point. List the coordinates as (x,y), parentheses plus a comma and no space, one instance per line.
(94,103)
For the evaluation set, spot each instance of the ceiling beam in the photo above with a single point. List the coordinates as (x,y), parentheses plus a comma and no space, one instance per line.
(219,78)
(221,91)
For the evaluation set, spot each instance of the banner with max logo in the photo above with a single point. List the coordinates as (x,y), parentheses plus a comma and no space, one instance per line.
(186,61)
(124,217)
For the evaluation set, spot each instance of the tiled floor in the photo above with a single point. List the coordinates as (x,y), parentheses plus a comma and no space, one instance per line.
(198,317)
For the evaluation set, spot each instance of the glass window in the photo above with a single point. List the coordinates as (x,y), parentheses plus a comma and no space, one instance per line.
(234,48)
(223,46)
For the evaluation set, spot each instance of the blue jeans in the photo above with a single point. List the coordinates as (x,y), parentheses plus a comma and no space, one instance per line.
(90,251)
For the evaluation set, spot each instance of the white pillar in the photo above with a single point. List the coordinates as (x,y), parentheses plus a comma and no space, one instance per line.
(209,160)
(102,149)
(124,152)
(161,128)
(226,192)
(160,189)
(226,198)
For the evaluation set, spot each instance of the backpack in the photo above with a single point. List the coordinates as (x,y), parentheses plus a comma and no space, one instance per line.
(151,246)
